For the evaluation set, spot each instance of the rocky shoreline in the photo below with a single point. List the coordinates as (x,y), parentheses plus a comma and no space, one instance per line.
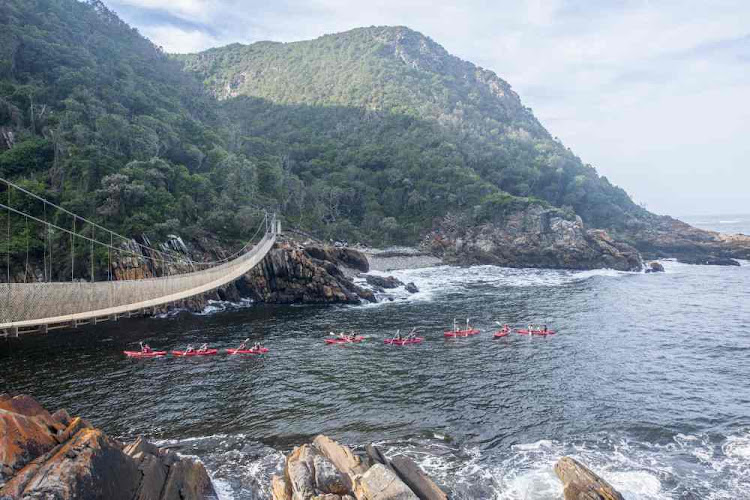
(58,457)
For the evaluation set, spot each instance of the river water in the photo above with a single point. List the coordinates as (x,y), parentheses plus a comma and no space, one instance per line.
(648,381)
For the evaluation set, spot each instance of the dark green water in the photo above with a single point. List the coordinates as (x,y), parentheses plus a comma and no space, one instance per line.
(647,381)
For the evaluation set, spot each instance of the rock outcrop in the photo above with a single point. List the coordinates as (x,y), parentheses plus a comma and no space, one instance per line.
(383,281)
(662,236)
(61,458)
(581,483)
(326,470)
(533,237)
(654,267)
(291,273)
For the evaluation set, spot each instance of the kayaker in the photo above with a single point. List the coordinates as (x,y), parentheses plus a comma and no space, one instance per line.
(398,335)
(203,348)
(243,345)
(189,348)
(545,329)
(145,348)
(343,336)
(353,336)
(257,346)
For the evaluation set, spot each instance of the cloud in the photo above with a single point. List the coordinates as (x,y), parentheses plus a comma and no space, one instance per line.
(653,94)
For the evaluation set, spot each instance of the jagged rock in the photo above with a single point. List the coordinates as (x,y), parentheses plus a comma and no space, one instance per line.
(328,479)
(289,275)
(22,439)
(300,470)
(280,488)
(709,261)
(72,429)
(43,458)
(581,483)
(348,257)
(655,267)
(89,462)
(412,288)
(662,236)
(383,281)
(533,237)
(417,480)
(340,456)
(381,483)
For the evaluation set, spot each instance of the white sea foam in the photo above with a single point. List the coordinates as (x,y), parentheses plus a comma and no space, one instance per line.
(433,282)
(216,306)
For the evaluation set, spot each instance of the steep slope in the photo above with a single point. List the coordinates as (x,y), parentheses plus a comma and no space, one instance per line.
(94,117)
(401,134)
(394,71)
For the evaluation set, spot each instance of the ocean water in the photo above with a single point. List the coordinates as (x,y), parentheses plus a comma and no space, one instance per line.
(647,382)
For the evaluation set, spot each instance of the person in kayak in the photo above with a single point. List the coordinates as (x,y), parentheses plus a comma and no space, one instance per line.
(145,348)
(545,330)
(398,335)
(189,348)
(353,336)
(257,346)
(203,348)
(243,345)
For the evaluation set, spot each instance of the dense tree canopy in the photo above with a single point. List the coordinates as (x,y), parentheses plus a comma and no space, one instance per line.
(366,135)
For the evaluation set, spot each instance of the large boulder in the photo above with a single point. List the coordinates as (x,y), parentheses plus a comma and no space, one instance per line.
(327,470)
(655,267)
(581,483)
(381,483)
(62,458)
(383,281)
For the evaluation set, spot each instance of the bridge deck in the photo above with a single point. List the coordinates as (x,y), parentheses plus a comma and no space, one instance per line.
(29,305)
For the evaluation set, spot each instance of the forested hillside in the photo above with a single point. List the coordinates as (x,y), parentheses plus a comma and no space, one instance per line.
(95,117)
(389,108)
(366,135)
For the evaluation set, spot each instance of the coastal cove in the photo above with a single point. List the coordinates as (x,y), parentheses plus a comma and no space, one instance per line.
(645,382)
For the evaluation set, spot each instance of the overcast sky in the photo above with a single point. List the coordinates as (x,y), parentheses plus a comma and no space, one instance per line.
(654,94)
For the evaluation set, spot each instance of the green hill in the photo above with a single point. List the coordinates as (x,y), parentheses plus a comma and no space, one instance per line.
(388,108)
(367,135)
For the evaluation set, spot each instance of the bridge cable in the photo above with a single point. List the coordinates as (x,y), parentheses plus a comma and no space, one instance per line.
(8,249)
(26,269)
(131,252)
(73,252)
(46,235)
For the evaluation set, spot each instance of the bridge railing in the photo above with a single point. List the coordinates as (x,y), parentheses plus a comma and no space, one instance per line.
(24,305)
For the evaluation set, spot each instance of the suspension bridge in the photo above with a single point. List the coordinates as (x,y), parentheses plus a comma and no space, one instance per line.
(43,302)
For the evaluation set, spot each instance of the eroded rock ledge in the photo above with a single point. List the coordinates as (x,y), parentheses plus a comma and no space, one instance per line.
(56,457)
(326,470)
(534,237)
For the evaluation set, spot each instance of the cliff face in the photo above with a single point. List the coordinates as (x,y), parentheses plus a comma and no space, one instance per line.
(294,274)
(54,456)
(290,273)
(534,237)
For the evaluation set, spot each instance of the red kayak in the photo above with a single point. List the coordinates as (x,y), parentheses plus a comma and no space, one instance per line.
(262,350)
(344,341)
(502,333)
(207,352)
(141,354)
(536,332)
(462,333)
(415,340)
